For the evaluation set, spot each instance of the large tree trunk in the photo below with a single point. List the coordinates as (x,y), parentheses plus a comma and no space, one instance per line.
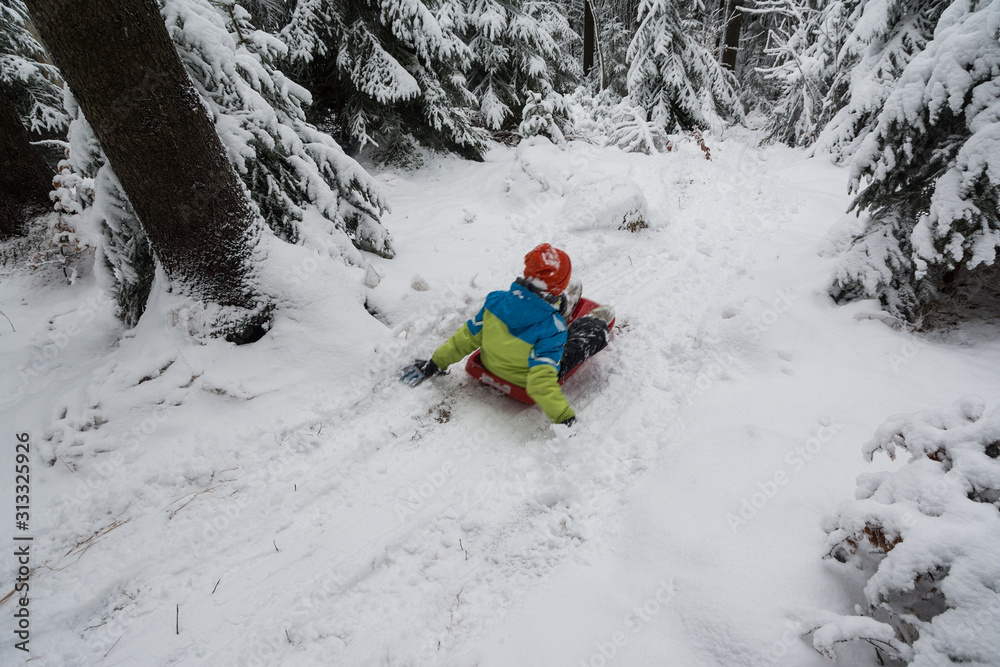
(588,37)
(123,70)
(25,179)
(734,24)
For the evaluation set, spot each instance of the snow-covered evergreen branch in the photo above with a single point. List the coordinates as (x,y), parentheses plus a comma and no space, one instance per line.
(26,75)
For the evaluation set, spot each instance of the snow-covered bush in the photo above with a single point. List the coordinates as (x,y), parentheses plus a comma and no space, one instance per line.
(932,166)
(92,205)
(589,116)
(633,133)
(540,117)
(927,536)
(25,75)
(673,77)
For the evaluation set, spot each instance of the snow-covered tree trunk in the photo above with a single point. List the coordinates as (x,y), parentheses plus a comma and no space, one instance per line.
(731,39)
(125,73)
(25,179)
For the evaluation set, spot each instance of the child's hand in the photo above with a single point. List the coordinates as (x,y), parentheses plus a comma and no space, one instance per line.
(418,371)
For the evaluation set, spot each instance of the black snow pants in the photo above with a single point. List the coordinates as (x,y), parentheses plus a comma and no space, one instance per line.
(585,337)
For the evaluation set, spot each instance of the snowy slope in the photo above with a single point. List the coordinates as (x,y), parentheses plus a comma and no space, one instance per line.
(289,503)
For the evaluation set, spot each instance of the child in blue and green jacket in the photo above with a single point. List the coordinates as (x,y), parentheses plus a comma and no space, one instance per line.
(523,335)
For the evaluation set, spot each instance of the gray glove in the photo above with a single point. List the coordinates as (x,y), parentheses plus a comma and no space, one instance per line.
(419,371)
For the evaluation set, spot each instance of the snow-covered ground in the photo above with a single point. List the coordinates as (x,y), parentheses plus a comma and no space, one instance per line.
(289,502)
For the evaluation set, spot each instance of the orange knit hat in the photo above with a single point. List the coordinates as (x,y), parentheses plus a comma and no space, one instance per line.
(549,265)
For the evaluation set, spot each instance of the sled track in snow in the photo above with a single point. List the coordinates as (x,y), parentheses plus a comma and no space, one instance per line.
(395,525)
(474,499)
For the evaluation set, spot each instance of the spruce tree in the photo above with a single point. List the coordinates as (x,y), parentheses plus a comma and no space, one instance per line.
(932,167)
(809,67)
(291,168)
(759,25)
(615,22)
(387,72)
(299,179)
(614,37)
(32,84)
(673,77)
(885,36)
(118,60)
(515,50)
(25,179)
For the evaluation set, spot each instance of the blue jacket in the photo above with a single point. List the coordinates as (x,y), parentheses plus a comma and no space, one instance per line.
(522,337)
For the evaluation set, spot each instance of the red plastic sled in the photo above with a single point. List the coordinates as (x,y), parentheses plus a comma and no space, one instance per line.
(474,366)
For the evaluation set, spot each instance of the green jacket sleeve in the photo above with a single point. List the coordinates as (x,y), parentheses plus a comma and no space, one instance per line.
(543,387)
(463,342)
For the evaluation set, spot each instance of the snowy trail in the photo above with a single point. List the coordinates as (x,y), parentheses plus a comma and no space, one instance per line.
(292,504)
(493,503)
(383,518)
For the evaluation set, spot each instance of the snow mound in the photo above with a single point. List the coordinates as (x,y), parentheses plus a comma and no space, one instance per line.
(581,187)
(608,204)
